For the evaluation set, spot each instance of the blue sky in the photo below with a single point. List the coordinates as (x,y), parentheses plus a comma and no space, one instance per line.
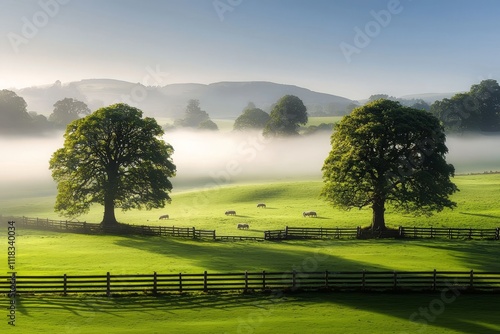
(352,48)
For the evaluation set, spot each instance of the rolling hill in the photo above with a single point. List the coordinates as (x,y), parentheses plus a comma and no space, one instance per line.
(220,100)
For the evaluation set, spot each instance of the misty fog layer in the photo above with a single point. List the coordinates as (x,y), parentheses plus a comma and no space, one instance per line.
(208,159)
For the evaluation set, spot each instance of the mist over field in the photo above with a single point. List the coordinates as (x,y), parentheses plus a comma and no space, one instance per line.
(210,159)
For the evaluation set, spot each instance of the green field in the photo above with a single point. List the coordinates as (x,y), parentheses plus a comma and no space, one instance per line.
(327,119)
(350,313)
(477,206)
(46,253)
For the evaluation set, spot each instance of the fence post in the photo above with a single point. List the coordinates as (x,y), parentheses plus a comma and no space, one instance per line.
(246,280)
(497,233)
(471,280)
(194,235)
(180,282)
(155,284)
(401,232)
(432,236)
(450,234)
(326,279)
(286,232)
(205,282)
(434,280)
(108,284)
(470,232)
(65,285)
(263,279)
(293,279)
(395,280)
(363,279)
(358,232)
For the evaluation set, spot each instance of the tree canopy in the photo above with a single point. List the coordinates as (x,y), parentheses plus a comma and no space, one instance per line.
(286,117)
(475,110)
(13,112)
(383,153)
(67,110)
(193,116)
(251,118)
(208,125)
(115,158)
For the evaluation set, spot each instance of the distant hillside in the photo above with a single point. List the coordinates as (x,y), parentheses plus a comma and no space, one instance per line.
(430,98)
(220,100)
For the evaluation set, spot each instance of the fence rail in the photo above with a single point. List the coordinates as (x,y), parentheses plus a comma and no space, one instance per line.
(326,280)
(285,234)
(93,228)
(450,233)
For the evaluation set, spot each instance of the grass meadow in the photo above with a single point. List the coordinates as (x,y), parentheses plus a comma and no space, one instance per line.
(51,253)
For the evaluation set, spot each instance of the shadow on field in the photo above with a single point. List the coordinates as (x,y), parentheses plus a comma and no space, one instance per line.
(479,215)
(384,312)
(478,254)
(258,195)
(241,256)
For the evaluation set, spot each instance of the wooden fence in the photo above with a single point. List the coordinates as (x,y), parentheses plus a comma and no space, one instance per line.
(402,232)
(93,228)
(450,233)
(252,281)
(287,233)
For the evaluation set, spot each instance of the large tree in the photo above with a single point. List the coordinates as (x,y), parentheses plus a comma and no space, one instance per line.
(67,110)
(286,116)
(383,153)
(115,158)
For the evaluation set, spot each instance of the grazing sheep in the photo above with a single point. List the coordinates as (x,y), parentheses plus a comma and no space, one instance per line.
(261,205)
(163,217)
(243,226)
(309,214)
(230,212)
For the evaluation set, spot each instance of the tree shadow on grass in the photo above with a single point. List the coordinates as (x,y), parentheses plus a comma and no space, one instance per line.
(239,256)
(466,314)
(480,255)
(258,196)
(479,215)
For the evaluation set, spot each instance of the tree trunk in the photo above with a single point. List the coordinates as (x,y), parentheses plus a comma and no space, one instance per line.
(109,197)
(378,220)
(109,212)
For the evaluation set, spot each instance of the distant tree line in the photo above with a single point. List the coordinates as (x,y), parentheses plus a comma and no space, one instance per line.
(412,103)
(475,110)
(287,118)
(15,119)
